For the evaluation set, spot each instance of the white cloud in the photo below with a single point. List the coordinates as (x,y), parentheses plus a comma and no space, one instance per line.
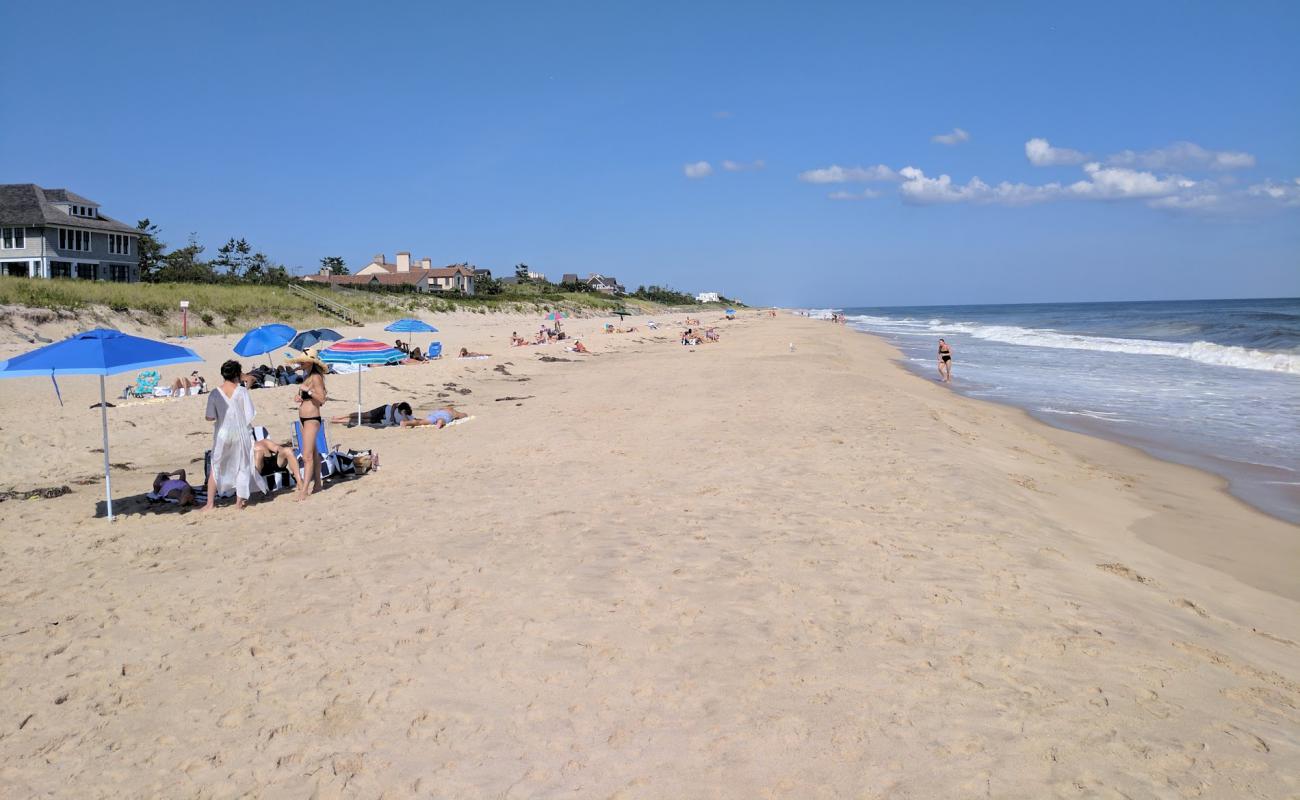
(1113,183)
(740,166)
(699,169)
(865,194)
(837,174)
(1183,155)
(1041,154)
(957,136)
(1288,194)
(918,189)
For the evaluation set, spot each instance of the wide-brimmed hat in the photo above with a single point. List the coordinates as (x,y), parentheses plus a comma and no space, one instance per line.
(309,357)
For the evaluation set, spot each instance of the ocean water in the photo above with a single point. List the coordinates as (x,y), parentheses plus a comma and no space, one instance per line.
(1210,383)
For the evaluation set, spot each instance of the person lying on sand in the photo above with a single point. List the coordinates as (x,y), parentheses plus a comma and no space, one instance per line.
(176,488)
(387,415)
(438,418)
(467,353)
(579,347)
(518,341)
(182,387)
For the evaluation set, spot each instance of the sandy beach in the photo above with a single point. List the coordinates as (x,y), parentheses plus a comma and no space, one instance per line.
(776,566)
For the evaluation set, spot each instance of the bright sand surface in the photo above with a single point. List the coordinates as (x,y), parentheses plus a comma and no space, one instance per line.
(734,570)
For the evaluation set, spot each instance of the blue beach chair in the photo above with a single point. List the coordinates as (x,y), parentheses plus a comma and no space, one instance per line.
(329,460)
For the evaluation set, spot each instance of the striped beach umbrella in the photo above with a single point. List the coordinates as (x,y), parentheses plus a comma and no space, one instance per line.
(409,325)
(360,352)
(554,315)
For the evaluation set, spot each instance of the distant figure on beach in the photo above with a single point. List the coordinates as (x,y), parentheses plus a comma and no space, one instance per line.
(173,485)
(465,352)
(230,409)
(516,340)
(386,415)
(438,418)
(310,399)
(945,362)
(579,347)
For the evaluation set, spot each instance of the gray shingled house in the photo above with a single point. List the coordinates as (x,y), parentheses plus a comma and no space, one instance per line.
(55,233)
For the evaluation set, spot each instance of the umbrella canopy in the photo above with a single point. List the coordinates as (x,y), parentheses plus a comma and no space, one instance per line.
(99,352)
(622,312)
(311,338)
(731,311)
(411,326)
(554,315)
(359,352)
(263,339)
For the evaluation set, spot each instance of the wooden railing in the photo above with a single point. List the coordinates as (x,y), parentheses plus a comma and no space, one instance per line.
(326,305)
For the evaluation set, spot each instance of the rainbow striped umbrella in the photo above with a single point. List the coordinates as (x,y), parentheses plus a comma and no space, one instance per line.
(554,315)
(359,352)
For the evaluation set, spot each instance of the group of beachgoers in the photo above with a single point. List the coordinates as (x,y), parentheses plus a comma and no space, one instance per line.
(241,453)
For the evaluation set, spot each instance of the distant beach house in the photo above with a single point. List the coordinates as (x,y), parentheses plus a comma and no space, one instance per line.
(606,284)
(55,233)
(536,276)
(708,297)
(569,279)
(421,277)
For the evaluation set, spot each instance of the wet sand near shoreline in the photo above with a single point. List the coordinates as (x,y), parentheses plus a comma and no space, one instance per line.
(734,570)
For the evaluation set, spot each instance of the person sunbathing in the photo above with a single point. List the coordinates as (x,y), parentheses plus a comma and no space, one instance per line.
(283,454)
(465,352)
(387,415)
(518,341)
(174,488)
(711,335)
(403,346)
(579,347)
(438,418)
(185,386)
(416,354)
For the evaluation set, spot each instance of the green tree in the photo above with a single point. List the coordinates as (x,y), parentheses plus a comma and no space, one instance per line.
(521,273)
(334,264)
(150,250)
(185,265)
(487,285)
(257,268)
(233,257)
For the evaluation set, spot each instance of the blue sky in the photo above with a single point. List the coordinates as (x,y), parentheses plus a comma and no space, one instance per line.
(562,135)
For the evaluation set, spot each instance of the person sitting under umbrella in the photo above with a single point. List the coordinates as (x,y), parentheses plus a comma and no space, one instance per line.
(174,486)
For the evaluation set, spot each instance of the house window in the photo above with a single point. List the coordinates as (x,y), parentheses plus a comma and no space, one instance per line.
(74,240)
(60,269)
(119,272)
(86,272)
(13,238)
(119,244)
(18,269)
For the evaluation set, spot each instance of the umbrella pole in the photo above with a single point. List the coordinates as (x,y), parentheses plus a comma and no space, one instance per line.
(358,395)
(103,416)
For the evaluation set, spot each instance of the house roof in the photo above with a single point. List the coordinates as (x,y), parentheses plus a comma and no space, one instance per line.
(415,275)
(29,204)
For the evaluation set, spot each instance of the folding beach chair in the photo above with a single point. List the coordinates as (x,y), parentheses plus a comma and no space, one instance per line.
(145,383)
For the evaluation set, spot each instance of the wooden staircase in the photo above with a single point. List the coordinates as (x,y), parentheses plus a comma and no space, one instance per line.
(325,305)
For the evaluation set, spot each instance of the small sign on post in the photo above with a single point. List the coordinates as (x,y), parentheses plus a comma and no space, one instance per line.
(185,319)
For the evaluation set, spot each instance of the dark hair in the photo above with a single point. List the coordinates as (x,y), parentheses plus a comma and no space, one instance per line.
(403,407)
(231,370)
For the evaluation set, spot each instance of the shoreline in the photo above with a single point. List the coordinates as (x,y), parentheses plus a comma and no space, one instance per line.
(1277,541)
(736,569)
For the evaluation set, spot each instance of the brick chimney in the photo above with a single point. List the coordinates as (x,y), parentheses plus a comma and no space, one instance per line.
(379,258)
(403,262)
(426,263)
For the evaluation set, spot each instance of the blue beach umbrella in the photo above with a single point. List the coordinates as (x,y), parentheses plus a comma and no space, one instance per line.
(99,352)
(360,352)
(309,339)
(409,325)
(264,339)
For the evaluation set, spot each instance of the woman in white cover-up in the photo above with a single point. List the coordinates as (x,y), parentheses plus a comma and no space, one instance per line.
(231,410)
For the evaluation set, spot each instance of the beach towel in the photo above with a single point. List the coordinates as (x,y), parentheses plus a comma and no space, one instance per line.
(232,449)
(472,358)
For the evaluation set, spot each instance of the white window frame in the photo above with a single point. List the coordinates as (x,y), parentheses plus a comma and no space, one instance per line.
(119,244)
(13,238)
(74,240)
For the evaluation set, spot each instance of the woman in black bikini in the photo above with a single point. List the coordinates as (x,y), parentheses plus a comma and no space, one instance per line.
(311,396)
(945,361)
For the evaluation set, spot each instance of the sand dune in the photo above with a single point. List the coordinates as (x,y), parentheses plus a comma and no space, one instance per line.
(725,571)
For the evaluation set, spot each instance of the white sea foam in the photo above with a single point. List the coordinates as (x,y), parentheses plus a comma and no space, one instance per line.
(1203,352)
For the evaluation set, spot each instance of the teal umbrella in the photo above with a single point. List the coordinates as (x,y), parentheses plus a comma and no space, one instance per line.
(99,352)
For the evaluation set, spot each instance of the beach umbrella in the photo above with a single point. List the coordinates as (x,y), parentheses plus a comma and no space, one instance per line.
(554,315)
(622,312)
(360,352)
(409,325)
(731,312)
(309,339)
(264,339)
(99,352)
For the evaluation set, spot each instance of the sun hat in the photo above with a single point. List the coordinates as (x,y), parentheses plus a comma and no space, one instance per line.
(309,357)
